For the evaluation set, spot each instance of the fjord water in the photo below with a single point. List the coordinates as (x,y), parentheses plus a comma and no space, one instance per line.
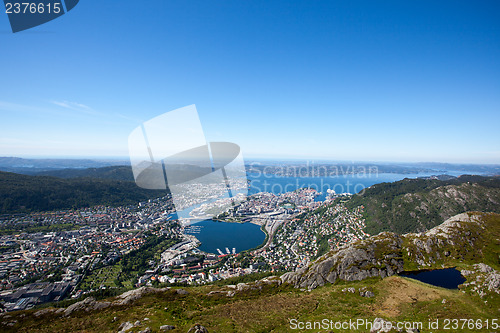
(449,278)
(219,235)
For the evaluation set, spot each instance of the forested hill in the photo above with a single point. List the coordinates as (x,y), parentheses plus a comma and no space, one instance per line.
(415,205)
(120,172)
(21,193)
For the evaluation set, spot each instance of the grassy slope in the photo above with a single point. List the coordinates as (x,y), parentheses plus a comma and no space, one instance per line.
(269,310)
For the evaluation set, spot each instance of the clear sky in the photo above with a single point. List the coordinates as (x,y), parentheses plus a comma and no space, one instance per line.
(344,80)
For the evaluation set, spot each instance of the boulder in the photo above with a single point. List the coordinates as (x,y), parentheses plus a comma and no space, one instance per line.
(181,292)
(87,305)
(197,328)
(167,327)
(380,325)
(43,311)
(126,326)
(132,295)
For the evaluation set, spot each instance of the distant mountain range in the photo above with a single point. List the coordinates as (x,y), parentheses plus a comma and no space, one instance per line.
(32,166)
(322,169)
(477,168)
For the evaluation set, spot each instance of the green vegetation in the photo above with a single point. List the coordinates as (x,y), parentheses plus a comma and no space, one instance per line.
(413,205)
(136,262)
(107,277)
(9,248)
(124,274)
(21,193)
(323,245)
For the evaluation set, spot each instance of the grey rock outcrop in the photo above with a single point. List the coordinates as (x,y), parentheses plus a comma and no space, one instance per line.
(132,295)
(88,304)
(181,292)
(376,256)
(349,290)
(482,279)
(126,326)
(43,311)
(231,290)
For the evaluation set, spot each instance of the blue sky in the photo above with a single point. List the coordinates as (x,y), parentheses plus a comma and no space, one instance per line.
(343,80)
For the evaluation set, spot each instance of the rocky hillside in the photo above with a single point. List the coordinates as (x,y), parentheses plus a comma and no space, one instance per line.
(377,256)
(466,238)
(416,205)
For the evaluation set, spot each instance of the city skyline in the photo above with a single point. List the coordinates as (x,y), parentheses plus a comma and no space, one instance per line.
(367,81)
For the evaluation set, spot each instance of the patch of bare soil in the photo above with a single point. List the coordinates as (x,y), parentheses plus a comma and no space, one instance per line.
(400,292)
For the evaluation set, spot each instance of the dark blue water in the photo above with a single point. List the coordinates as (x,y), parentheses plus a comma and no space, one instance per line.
(449,278)
(219,235)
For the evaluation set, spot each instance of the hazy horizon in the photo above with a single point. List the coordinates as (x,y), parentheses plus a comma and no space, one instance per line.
(255,158)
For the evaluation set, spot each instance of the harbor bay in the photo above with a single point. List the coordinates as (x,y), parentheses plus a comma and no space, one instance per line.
(226,238)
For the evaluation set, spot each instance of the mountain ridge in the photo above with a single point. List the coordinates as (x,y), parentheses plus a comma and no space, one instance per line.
(416,205)
(468,236)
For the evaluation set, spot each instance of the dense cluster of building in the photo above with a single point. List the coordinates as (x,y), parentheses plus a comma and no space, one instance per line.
(298,239)
(85,239)
(35,293)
